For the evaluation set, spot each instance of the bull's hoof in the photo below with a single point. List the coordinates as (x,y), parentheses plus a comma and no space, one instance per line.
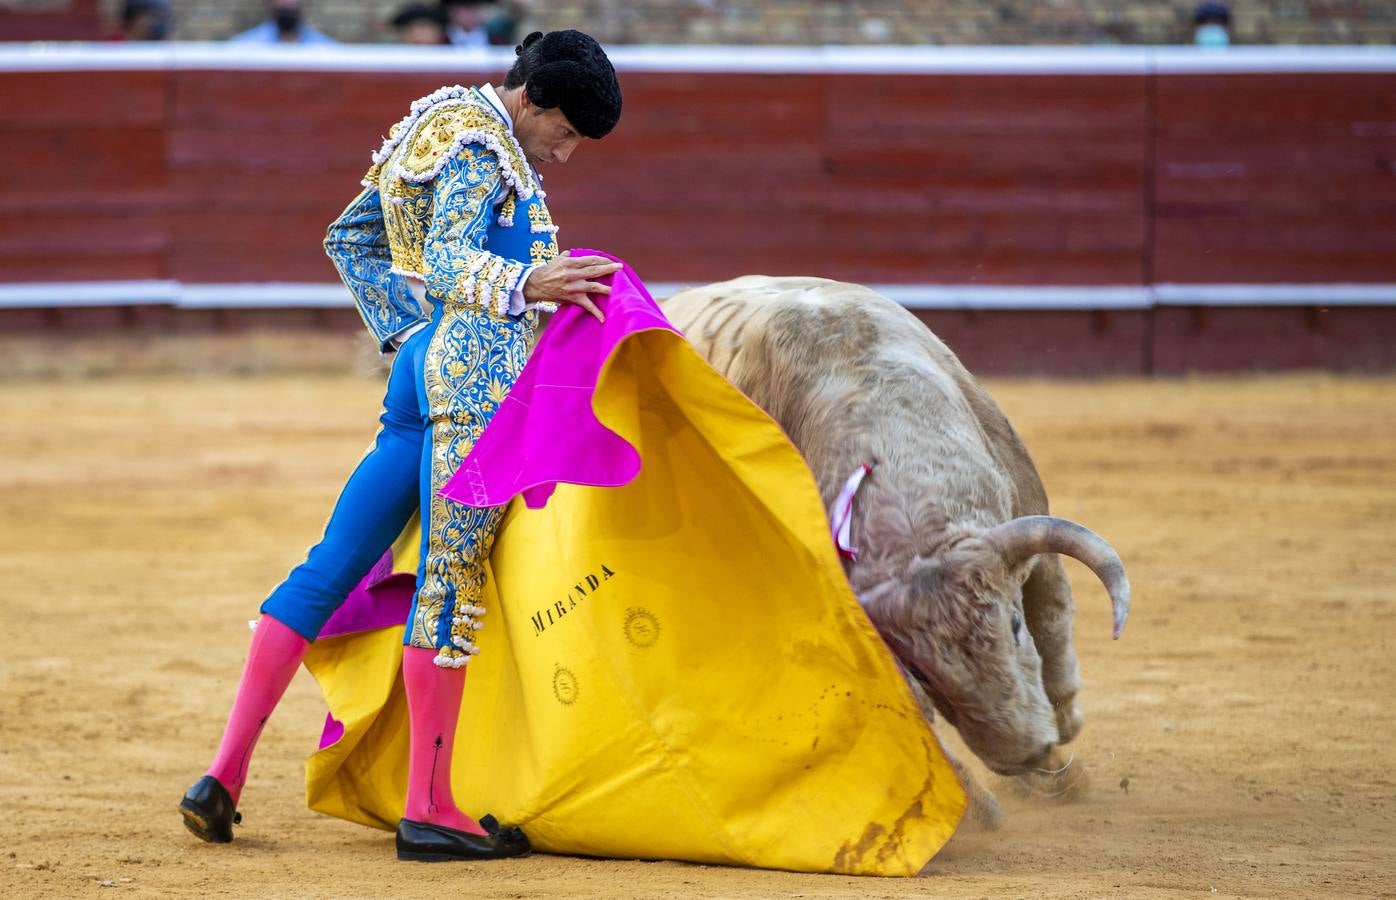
(984,811)
(981,807)
(1069,722)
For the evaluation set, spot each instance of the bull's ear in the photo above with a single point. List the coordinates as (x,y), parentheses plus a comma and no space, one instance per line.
(925,576)
(885,595)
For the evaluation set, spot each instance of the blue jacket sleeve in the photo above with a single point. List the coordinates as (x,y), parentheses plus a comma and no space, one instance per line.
(457,267)
(357,244)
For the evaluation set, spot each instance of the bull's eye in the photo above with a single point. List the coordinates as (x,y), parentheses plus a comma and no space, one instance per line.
(1017,622)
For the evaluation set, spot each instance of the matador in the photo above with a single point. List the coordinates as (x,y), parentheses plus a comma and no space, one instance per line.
(450,254)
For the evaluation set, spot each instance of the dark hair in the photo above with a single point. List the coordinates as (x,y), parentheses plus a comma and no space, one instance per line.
(416,12)
(568,70)
(132,10)
(1211,12)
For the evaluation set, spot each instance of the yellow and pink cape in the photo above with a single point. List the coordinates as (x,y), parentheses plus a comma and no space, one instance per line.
(673,665)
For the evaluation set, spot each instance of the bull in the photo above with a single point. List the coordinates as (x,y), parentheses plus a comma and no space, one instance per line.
(958,566)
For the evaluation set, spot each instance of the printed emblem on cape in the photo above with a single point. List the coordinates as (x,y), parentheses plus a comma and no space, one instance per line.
(641,627)
(564,686)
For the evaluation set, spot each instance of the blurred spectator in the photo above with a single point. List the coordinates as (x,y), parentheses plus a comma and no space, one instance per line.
(479,23)
(144,20)
(285,24)
(465,22)
(417,23)
(1211,24)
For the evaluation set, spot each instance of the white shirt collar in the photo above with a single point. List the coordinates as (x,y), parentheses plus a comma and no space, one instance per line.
(488,92)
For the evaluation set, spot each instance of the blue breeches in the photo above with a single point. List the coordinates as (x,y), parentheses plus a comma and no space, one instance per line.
(445,384)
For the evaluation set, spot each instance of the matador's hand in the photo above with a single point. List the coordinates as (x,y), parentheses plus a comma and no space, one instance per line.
(568,279)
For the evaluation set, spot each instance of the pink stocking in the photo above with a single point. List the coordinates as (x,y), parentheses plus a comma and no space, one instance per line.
(272,660)
(433,705)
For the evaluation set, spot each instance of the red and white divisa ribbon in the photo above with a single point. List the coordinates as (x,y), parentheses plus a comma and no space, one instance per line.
(842,518)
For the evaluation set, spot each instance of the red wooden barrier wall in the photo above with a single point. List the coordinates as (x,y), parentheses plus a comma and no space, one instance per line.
(1275,178)
(232,176)
(84,176)
(991,179)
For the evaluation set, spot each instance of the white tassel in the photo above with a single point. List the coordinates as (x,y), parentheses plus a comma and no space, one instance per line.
(446,661)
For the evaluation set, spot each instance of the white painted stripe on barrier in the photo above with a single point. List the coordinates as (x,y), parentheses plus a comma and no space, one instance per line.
(975,296)
(341,58)
(291,295)
(71,56)
(44,295)
(1261,60)
(938,60)
(886,60)
(80,57)
(1275,294)
(951,296)
(262,295)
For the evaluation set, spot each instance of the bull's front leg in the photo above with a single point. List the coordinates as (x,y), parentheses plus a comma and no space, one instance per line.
(1048,611)
(983,808)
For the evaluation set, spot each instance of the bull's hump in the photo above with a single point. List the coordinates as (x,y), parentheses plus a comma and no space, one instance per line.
(804,291)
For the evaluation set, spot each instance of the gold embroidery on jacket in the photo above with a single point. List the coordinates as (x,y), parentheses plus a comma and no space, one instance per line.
(543,251)
(442,133)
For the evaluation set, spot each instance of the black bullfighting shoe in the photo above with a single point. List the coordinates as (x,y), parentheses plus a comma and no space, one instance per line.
(208,811)
(425,842)
(513,835)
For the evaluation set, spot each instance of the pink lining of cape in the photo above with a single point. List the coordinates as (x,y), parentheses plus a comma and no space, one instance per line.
(545,431)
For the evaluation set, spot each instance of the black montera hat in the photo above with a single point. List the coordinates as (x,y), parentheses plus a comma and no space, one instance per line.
(568,70)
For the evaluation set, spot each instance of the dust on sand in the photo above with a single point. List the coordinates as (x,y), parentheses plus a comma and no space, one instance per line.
(1239,738)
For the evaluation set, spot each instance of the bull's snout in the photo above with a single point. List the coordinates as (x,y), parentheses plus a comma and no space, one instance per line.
(1035,760)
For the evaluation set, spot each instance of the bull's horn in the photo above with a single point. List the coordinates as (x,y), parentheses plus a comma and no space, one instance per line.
(1028,536)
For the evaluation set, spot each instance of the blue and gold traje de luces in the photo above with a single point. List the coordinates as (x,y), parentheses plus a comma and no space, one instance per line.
(451,204)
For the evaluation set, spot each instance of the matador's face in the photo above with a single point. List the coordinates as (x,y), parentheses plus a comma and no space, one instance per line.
(545,134)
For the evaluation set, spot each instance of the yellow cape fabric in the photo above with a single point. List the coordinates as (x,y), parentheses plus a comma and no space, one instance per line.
(674,669)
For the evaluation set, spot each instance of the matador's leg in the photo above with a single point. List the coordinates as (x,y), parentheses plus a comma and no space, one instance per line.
(376,503)
(374,506)
(443,631)
(440,640)
(469,366)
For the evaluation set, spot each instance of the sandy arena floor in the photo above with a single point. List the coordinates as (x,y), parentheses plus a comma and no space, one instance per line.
(1239,738)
